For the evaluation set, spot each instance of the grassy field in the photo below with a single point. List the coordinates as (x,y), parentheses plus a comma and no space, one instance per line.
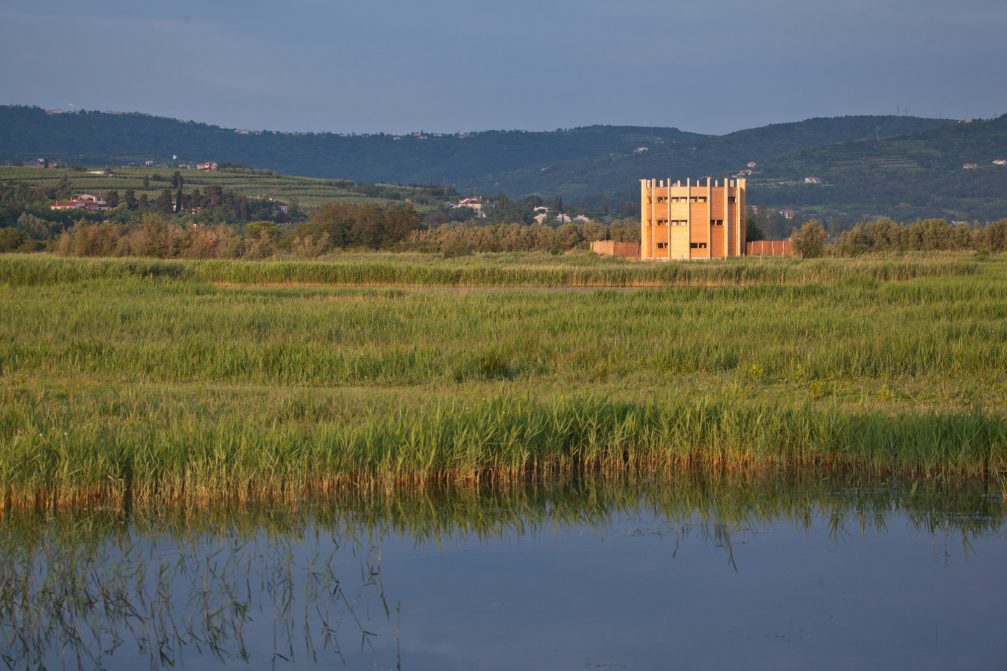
(305,191)
(146,380)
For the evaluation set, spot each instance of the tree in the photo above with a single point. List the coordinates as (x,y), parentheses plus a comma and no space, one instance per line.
(809,240)
(261,238)
(263,229)
(112,198)
(36,228)
(351,225)
(163,203)
(10,239)
(146,182)
(63,189)
(129,198)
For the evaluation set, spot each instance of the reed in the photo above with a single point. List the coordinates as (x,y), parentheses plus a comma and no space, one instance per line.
(140,380)
(487,270)
(147,452)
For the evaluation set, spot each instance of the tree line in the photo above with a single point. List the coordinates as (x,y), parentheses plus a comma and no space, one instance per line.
(332,227)
(462,239)
(887,235)
(345,225)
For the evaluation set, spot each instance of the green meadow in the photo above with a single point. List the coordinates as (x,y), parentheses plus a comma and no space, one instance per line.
(134,380)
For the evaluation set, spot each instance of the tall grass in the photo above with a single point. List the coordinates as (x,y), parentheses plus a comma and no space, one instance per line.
(535,270)
(831,339)
(142,379)
(67,455)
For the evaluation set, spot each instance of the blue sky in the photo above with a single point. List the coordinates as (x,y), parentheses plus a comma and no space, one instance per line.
(448,65)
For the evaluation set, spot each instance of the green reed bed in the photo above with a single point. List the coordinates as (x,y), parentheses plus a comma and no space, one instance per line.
(616,273)
(946,344)
(529,270)
(59,454)
(139,378)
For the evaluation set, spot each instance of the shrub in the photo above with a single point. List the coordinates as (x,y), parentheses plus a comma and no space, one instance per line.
(809,240)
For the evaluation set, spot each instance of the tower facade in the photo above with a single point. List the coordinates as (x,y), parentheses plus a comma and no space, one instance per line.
(692,220)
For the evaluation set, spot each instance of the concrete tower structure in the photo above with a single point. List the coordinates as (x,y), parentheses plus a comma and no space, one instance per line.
(692,221)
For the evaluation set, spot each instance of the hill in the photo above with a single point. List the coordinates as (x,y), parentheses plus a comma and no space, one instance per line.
(89,138)
(859,166)
(616,174)
(919,174)
(594,161)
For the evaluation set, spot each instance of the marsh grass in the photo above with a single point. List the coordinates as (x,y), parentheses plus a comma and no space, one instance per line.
(148,452)
(140,380)
(488,270)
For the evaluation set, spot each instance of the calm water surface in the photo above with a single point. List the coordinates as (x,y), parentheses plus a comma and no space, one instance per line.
(690,575)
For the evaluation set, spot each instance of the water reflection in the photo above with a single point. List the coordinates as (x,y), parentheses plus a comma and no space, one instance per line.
(146,593)
(267,587)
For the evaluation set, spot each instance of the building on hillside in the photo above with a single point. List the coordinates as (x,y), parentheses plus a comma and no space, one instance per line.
(1000,161)
(84,201)
(475,204)
(692,220)
(209,166)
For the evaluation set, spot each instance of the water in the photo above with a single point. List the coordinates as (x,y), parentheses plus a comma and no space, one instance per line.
(690,574)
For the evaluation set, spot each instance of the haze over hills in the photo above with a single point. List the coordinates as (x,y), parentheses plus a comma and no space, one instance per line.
(897,166)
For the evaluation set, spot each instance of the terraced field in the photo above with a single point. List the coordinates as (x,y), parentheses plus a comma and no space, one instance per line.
(304,191)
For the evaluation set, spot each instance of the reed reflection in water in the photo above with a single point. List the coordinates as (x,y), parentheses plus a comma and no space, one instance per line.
(227,595)
(271,587)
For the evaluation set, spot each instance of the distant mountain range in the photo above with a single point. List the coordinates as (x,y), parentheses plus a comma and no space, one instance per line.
(845,167)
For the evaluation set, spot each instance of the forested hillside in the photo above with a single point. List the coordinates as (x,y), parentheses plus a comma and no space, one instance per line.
(945,171)
(88,138)
(844,168)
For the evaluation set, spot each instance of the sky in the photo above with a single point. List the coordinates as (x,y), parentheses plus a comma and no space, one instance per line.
(464,65)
